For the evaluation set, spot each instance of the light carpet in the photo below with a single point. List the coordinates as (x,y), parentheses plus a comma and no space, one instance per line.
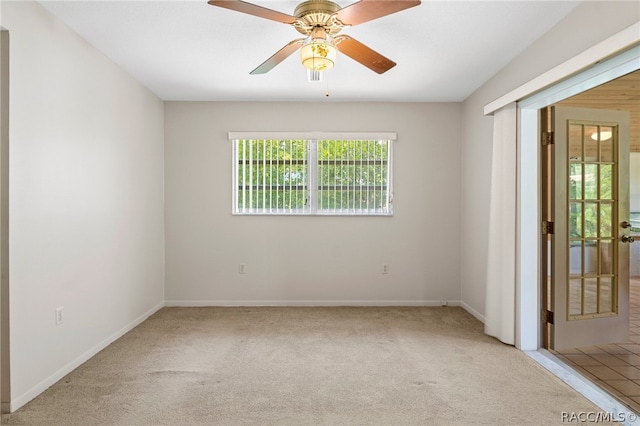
(306,366)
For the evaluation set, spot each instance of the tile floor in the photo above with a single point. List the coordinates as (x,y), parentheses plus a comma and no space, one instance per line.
(614,367)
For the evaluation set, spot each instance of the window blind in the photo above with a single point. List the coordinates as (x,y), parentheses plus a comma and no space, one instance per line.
(272,176)
(312,176)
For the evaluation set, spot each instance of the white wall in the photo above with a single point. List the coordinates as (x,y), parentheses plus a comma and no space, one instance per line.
(86,200)
(590,23)
(312,260)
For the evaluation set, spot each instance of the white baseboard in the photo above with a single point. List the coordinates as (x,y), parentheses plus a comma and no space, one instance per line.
(472,312)
(221,303)
(21,400)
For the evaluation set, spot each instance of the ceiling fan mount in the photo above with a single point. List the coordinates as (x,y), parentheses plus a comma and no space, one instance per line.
(320,21)
(317,13)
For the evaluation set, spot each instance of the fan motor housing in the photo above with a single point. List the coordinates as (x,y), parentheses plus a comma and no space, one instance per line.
(317,13)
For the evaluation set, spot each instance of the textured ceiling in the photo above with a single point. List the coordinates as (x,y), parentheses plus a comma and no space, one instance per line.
(189,50)
(622,94)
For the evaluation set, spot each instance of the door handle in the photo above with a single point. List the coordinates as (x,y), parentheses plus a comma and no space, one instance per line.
(627,239)
(625,225)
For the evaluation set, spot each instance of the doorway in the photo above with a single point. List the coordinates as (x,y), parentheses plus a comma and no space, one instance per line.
(594,288)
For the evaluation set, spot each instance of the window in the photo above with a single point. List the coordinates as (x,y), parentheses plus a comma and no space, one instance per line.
(312,176)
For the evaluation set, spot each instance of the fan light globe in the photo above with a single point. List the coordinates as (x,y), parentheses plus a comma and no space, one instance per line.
(605,135)
(318,54)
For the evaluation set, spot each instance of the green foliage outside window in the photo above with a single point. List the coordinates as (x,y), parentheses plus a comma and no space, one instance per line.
(352,174)
(272,174)
(275,174)
(584,193)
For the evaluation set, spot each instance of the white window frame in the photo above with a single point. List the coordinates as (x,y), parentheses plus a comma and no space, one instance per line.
(312,138)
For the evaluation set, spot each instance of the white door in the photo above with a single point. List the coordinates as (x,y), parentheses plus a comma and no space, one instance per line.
(589,259)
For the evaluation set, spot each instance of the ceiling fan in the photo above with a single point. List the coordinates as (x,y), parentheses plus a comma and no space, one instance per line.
(320,21)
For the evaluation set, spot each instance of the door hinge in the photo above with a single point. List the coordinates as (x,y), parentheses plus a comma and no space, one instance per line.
(547,138)
(547,227)
(548,316)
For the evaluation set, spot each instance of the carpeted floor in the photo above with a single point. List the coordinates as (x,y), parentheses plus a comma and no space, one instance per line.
(306,366)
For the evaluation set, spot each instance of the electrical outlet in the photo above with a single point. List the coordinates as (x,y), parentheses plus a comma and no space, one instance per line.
(385,268)
(59,315)
(242,268)
(443,302)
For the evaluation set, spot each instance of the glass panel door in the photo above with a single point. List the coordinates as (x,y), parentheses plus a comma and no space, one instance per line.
(589,268)
(592,217)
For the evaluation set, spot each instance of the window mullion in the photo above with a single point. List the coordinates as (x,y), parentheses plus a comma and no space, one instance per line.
(359,175)
(371,147)
(264,176)
(270,176)
(312,183)
(342,178)
(234,184)
(389,186)
(251,183)
(244,175)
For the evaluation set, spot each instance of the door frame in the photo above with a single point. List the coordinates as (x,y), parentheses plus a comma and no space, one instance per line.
(5,383)
(528,219)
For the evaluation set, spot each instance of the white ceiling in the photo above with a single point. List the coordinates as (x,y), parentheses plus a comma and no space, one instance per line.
(189,50)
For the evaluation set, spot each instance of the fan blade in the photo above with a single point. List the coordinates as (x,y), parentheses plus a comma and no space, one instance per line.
(255,10)
(278,57)
(363,54)
(367,10)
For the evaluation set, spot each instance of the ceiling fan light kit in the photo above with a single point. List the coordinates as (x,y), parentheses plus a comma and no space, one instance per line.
(320,21)
(604,135)
(318,52)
